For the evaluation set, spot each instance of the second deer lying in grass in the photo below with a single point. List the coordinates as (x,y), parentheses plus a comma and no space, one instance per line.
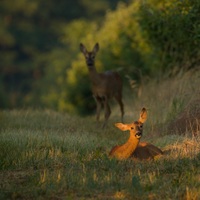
(133,148)
(104,85)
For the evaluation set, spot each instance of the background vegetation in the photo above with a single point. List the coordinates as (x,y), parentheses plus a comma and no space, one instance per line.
(41,65)
(47,151)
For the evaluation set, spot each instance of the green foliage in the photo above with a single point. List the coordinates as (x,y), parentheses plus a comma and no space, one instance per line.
(33,44)
(41,65)
(143,39)
(172,29)
(121,49)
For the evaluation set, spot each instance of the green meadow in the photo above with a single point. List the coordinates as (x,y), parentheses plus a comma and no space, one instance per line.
(53,155)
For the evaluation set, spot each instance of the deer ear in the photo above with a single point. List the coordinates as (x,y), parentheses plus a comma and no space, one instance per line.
(96,48)
(83,49)
(121,126)
(143,115)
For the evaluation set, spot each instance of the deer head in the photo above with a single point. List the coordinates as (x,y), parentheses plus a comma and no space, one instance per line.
(89,55)
(136,127)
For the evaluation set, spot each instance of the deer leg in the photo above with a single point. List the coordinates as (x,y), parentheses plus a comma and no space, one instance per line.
(99,106)
(119,100)
(107,110)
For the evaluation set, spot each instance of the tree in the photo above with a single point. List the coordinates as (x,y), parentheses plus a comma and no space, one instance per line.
(30,39)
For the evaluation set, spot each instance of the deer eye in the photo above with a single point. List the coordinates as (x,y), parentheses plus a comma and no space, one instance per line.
(141,126)
(132,128)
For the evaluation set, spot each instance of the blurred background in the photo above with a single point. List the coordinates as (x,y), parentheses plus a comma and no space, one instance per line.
(41,65)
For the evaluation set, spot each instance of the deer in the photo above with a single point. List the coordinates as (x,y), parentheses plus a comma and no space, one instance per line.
(146,151)
(105,85)
(133,148)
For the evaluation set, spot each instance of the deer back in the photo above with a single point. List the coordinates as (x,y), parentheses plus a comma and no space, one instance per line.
(109,84)
(146,151)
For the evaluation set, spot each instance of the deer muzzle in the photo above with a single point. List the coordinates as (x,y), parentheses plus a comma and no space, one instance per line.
(138,135)
(90,62)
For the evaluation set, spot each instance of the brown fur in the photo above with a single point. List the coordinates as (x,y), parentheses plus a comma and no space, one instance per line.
(104,85)
(146,151)
(133,148)
(124,151)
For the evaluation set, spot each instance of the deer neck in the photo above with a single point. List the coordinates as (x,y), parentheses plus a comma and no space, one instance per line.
(94,75)
(128,148)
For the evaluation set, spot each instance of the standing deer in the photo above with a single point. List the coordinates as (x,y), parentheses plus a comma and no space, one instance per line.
(133,147)
(104,85)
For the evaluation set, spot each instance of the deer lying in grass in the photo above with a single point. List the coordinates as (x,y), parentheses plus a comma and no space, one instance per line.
(133,148)
(104,85)
(146,151)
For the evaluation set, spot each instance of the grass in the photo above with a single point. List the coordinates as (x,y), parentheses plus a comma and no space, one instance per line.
(50,155)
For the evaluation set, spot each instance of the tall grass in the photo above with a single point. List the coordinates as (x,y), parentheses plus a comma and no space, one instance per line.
(50,155)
